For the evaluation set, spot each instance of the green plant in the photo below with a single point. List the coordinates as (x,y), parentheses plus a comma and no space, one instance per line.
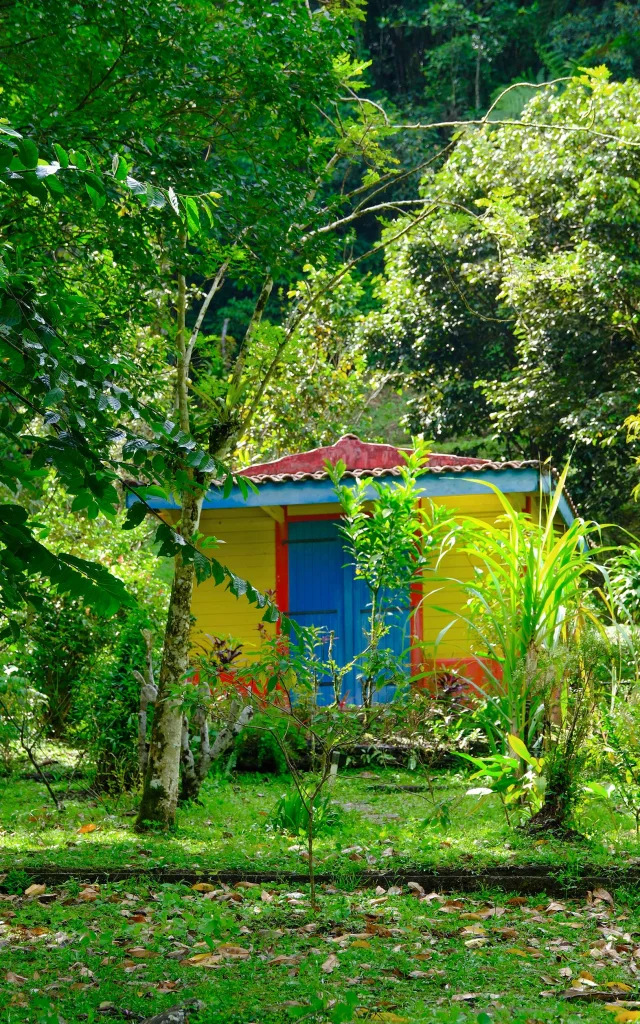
(621,734)
(16,881)
(392,538)
(291,813)
(505,778)
(528,600)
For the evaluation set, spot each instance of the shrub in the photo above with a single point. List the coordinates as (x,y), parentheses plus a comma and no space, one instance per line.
(291,815)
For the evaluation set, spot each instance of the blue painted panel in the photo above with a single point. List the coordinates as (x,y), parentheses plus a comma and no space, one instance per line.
(324,593)
(316,586)
(311,492)
(397,610)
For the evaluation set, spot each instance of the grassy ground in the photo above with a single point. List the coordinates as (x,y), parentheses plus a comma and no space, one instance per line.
(261,955)
(380,826)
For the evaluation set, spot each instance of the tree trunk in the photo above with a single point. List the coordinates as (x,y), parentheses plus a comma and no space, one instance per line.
(194,773)
(160,793)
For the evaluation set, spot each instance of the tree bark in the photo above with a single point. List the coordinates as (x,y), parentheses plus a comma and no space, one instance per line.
(160,793)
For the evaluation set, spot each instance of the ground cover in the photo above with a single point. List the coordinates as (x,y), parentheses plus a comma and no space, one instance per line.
(379,825)
(263,954)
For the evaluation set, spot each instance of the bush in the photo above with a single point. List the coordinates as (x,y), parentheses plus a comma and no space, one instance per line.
(258,750)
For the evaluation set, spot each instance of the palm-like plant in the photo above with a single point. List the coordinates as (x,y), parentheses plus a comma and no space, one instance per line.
(528,599)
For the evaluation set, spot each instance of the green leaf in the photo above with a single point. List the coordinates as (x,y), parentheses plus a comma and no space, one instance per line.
(62,155)
(97,199)
(520,748)
(28,153)
(136,513)
(193,215)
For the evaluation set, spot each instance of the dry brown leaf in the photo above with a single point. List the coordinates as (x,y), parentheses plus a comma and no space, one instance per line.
(35,890)
(202,960)
(285,958)
(84,829)
(473,929)
(361,944)
(585,975)
(602,894)
(247,885)
(229,949)
(622,1016)
(140,953)
(203,887)
(388,1017)
(330,964)
(516,952)
(618,986)
(266,897)
(166,986)
(426,955)
(517,901)
(565,972)
(475,943)
(15,979)
(466,997)
(89,894)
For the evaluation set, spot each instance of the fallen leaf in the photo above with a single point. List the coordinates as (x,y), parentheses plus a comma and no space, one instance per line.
(466,997)
(266,897)
(361,944)
(622,1016)
(87,828)
(388,1017)
(517,901)
(35,890)
(89,894)
(473,929)
(618,986)
(475,943)
(140,953)
(164,987)
(285,959)
(602,894)
(516,952)
(15,979)
(330,964)
(203,887)
(247,885)
(555,907)
(202,960)
(565,972)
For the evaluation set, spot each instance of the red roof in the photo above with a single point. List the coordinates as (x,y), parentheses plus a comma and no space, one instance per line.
(362,459)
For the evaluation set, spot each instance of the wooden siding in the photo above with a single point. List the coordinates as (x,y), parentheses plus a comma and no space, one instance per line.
(458,566)
(249,550)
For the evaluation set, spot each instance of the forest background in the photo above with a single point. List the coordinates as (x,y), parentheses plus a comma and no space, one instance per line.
(488,300)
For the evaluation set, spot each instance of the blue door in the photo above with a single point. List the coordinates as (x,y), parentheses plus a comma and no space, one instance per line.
(316,586)
(323,592)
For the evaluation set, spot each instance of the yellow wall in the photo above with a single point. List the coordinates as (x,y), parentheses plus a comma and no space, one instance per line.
(442,594)
(249,550)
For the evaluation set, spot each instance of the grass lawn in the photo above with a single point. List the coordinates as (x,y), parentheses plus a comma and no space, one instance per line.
(380,826)
(261,954)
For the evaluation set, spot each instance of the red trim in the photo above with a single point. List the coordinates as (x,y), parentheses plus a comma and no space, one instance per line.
(416,625)
(310,518)
(527,504)
(282,562)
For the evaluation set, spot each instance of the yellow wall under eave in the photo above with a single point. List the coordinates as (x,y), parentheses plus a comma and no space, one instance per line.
(249,550)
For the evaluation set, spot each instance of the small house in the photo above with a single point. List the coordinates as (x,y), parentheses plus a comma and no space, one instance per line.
(285,539)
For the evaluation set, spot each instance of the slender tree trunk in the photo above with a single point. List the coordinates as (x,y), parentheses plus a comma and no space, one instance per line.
(160,793)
